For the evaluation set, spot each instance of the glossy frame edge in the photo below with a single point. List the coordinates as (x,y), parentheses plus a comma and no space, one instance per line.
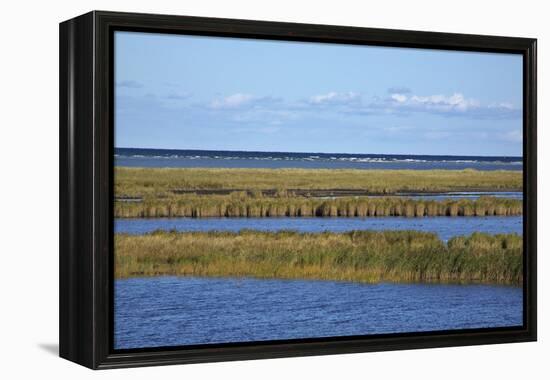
(85,233)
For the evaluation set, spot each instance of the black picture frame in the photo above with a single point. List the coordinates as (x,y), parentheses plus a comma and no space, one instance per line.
(86,187)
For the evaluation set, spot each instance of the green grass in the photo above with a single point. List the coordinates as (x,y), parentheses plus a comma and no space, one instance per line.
(242,205)
(159,182)
(362,256)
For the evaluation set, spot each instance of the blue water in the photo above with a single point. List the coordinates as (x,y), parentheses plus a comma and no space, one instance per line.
(234,159)
(444,227)
(466,195)
(174,311)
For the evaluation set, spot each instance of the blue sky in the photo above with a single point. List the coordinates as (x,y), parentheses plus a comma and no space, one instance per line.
(189,92)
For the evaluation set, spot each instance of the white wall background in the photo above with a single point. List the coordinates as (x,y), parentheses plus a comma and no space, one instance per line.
(29,187)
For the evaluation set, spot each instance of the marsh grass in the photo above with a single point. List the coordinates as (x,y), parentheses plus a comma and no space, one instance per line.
(362,256)
(244,205)
(159,182)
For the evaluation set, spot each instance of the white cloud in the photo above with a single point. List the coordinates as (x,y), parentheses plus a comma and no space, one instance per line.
(455,102)
(241,101)
(399,98)
(352,103)
(444,105)
(401,101)
(503,105)
(335,98)
(323,98)
(232,101)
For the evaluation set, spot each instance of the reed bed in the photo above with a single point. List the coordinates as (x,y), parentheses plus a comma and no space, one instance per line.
(144,182)
(242,205)
(361,256)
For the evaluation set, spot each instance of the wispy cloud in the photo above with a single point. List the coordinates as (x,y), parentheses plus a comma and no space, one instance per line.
(336,98)
(232,101)
(400,102)
(431,103)
(241,101)
(243,108)
(399,98)
(453,105)
(334,107)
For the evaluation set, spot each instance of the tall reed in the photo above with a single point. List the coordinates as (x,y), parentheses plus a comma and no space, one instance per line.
(363,256)
(242,205)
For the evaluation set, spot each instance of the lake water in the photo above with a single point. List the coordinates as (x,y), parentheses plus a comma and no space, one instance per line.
(465,195)
(444,227)
(173,311)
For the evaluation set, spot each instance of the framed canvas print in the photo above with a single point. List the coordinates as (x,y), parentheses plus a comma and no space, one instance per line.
(237,189)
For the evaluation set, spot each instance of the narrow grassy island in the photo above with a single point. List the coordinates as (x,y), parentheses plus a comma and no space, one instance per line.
(242,205)
(161,182)
(362,256)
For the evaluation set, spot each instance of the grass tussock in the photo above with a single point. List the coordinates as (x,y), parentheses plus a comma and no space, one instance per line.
(158,182)
(363,256)
(243,205)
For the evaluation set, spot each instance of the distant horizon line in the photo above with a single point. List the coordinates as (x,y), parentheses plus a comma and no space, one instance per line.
(325,153)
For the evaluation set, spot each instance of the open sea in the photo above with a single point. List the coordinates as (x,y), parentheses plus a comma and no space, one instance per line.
(174,158)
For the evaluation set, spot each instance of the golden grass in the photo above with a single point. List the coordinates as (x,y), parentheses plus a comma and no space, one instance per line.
(159,182)
(363,256)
